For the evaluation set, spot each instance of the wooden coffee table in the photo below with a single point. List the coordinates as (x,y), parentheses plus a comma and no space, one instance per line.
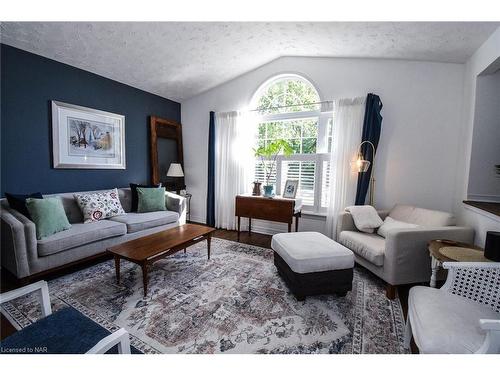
(146,250)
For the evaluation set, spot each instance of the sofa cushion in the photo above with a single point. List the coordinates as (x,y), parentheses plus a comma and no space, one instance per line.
(422,216)
(446,323)
(366,245)
(80,234)
(390,224)
(306,252)
(136,222)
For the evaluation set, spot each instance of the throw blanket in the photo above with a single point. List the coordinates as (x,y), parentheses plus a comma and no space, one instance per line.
(365,218)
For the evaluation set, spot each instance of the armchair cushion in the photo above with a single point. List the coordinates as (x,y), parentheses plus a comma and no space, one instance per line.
(422,216)
(446,323)
(368,246)
(390,224)
(66,331)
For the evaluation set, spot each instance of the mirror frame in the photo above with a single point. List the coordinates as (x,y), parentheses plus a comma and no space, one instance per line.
(170,129)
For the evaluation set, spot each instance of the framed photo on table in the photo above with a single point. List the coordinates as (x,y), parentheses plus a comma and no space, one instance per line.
(86,138)
(290,190)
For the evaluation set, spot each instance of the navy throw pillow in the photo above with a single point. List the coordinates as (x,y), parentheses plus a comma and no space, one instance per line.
(18,202)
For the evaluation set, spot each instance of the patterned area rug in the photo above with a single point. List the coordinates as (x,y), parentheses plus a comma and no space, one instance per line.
(232,303)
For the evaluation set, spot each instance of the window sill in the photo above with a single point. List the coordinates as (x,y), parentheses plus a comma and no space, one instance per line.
(314,214)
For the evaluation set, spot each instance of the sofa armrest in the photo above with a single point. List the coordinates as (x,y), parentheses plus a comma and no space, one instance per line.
(177,204)
(345,221)
(407,256)
(18,242)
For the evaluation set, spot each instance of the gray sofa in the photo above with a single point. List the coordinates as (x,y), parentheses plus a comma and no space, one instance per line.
(24,256)
(403,256)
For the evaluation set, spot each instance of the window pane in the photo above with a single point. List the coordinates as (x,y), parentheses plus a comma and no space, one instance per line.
(310,128)
(274,130)
(303,171)
(309,145)
(301,134)
(262,130)
(288,95)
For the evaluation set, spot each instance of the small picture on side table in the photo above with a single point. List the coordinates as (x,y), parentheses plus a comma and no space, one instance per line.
(290,190)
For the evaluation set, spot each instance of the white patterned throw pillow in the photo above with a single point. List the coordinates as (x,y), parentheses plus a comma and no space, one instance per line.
(101,205)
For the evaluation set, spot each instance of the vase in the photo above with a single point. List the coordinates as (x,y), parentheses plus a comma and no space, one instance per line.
(268,190)
(256,188)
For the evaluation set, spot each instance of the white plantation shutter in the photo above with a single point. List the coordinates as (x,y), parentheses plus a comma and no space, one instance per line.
(325,183)
(260,174)
(304,172)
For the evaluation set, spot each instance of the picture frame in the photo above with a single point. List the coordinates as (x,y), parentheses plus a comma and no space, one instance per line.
(87,138)
(290,189)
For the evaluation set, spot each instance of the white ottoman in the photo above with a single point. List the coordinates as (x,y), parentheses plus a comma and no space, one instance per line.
(312,264)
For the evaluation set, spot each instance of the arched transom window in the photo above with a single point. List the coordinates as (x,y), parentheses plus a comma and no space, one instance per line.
(290,109)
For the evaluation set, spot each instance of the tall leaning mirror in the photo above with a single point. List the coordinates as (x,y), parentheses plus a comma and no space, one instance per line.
(166,151)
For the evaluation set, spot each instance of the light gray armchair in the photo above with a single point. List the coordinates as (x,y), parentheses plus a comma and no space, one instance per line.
(460,318)
(402,257)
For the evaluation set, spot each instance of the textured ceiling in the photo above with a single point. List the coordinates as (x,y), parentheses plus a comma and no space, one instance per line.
(179,60)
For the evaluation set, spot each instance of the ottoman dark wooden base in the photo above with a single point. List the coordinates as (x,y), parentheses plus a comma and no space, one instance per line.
(314,283)
(313,264)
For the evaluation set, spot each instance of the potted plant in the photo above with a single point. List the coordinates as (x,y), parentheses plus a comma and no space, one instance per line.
(270,153)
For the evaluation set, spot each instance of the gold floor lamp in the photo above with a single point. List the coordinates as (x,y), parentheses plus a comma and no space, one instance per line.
(362,165)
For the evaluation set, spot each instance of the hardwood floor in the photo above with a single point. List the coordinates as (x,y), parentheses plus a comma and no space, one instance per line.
(255,239)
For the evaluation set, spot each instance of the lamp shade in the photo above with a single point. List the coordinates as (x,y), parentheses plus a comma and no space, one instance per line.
(175,170)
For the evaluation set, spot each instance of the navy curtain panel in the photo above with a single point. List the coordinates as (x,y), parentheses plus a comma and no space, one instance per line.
(210,220)
(372,125)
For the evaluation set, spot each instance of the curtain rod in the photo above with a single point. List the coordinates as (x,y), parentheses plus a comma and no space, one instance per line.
(291,105)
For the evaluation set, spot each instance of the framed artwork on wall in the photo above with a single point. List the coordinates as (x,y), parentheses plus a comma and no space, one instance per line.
(290,190)
(86,138)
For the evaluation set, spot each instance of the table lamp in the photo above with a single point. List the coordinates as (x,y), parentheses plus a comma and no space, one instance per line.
(175,171)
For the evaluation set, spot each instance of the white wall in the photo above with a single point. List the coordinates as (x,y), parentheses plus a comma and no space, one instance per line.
(480,60)
(421,129)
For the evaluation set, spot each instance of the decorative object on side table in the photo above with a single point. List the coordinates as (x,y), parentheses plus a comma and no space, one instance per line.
(492,246)
(269,154)
(452,251)
(87,138)
(290,190)
(175,172)
(256,188)
(363,165)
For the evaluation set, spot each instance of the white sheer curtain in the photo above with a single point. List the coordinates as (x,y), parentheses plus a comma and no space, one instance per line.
(347,129)
(234,162)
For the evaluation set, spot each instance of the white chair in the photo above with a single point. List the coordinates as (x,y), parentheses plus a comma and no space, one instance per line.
(119,338)
(461,317)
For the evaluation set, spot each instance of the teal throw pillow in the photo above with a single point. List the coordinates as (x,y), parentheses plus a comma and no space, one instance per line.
(48,215)
(150,199)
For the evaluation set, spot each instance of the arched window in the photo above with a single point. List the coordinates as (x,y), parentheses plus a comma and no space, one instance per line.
(290,109)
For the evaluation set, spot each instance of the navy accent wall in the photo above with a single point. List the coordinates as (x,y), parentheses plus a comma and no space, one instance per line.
(28,83)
